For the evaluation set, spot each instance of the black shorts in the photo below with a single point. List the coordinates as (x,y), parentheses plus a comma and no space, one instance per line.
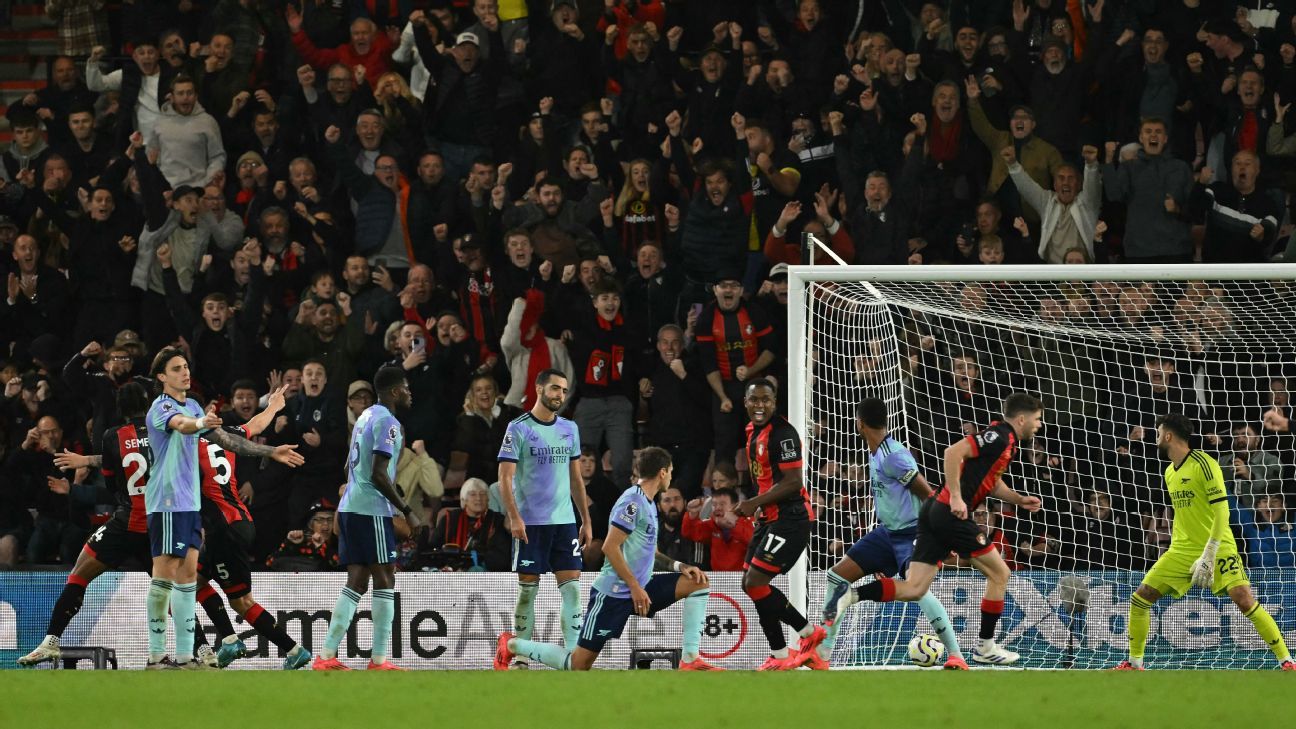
(226,556)
(777,545)
(115,544)
(940,532)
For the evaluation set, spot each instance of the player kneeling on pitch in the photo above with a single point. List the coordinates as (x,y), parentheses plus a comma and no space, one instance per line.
(1202,550)
(626,584)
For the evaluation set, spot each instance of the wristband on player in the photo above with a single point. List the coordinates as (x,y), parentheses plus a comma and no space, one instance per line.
(676,566)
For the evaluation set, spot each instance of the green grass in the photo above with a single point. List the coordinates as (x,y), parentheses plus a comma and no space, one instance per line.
(803,700)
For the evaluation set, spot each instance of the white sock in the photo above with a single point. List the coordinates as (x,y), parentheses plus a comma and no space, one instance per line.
(229,639)
(987,644)
(297,649)
(781,653)
(51,640)
(1136,662)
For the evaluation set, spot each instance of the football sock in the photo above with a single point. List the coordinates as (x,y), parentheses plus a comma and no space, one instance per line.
(940,622)
(571,612)
(833,591)
(882,590)
(1140,620)
(694,613)
(214,606)
(264,624)
(183,614)
(384,610)
(1268,630)
(769,611)
(159,597)
(553,656)
(990,612)
(343,611)
(524,613)
(67,606)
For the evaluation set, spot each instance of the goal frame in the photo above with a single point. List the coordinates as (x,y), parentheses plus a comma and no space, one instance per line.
(801,276)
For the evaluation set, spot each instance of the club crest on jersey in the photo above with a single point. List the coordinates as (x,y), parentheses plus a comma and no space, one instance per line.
(747,330)
(990,436)
(760,450)
(317,415)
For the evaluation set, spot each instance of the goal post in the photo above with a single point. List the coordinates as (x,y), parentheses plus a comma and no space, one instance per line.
(1108,348)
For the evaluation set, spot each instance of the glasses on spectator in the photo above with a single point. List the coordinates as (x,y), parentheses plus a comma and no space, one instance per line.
(249,163)
(386,168)
(119,358)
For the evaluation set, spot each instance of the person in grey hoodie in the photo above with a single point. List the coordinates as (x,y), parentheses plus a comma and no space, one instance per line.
(1154,187)
(187,139)
(178,222)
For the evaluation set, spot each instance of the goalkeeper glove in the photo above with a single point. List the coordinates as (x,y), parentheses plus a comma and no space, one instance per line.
(1203,570)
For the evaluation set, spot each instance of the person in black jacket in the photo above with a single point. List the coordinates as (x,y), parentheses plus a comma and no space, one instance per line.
(460,105)
(674,393)
(101,256)
(99,387)
(317,423)
(221,343)
(715,227)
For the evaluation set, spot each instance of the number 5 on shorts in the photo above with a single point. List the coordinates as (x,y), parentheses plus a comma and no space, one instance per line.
(774,543)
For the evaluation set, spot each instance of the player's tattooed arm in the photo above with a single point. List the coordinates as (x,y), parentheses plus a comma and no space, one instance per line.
(662,563)
(68,459)
(237,444)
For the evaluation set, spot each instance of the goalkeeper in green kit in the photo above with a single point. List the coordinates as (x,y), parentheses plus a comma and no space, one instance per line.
(1202,551)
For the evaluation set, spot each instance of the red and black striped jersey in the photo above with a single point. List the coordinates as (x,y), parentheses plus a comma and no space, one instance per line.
(773,452)
(732,339)
(992,451)
(216,469)
(125,468)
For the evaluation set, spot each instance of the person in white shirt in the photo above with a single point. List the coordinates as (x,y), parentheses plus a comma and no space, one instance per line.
(1068,213)
(148,105)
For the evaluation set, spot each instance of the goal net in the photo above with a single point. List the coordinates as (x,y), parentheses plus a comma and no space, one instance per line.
(1108,349)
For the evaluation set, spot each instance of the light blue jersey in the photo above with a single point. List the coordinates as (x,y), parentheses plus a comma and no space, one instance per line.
(376,431)
(635,514)
(173,484)
(891,469)
(543,453)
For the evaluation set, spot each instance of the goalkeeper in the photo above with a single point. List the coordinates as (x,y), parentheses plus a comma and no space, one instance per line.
(1202,551)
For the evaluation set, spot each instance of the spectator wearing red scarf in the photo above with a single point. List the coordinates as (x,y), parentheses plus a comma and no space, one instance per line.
(528,352)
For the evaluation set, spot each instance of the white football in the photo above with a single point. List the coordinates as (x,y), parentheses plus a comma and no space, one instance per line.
(926,650)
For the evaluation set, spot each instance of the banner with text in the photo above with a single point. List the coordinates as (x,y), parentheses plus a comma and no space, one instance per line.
(451,620)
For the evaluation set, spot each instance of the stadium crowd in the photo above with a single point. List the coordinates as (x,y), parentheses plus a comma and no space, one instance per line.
(477,191)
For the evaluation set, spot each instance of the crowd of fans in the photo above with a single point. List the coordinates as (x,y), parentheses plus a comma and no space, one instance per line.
(477,191)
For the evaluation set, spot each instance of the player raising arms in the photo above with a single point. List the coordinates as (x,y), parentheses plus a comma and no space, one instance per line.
(898,492)
(1202,551)
(366,539)
(774,452)
(230,535)
(172,501)
(974,468)
(626,584)
(539,476)
(125,467)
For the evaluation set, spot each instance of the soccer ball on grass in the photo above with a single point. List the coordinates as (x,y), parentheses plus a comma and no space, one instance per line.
(926,650)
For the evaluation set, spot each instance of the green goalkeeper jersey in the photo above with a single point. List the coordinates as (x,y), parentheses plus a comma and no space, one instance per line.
(1195,487)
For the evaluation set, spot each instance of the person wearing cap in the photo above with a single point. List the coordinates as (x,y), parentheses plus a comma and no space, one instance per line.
(360,395)
(187,138)
(186,231)
(735,346)
(1039,159)
(459,107)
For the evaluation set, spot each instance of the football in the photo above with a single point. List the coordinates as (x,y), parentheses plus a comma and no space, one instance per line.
(926,650)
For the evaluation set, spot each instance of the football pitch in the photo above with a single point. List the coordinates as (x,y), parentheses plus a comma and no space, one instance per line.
(801,700)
